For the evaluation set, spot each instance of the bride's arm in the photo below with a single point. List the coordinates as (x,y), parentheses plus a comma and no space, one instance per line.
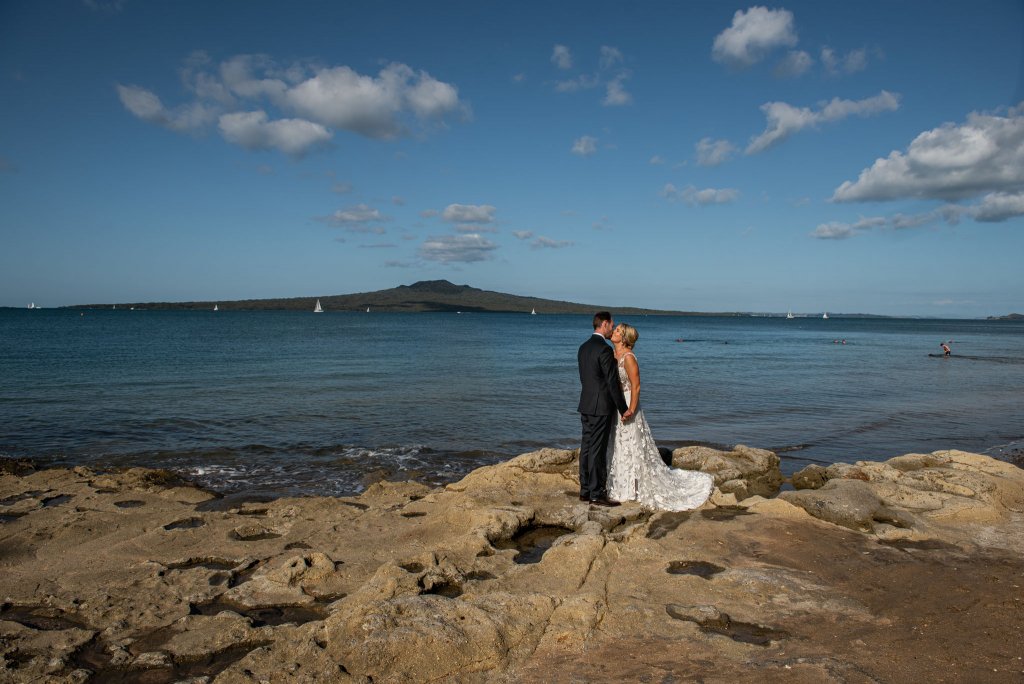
(633,372)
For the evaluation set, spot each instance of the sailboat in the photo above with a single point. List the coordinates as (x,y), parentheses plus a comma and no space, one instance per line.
(32,305)
(790,314)
(367,309)
(825,315)
(533,313)
(215,308)
(318,308)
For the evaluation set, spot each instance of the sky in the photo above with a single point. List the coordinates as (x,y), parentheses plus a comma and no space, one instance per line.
(845,157)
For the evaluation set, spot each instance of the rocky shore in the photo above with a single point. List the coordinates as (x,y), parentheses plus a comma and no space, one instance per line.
(906,570)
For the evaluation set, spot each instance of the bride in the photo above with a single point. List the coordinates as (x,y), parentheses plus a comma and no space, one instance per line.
(636,471)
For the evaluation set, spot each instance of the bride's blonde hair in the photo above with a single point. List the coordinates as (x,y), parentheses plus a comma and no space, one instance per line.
(629,334)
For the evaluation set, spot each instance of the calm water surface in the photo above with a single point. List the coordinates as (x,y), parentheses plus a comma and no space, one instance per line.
(297,403)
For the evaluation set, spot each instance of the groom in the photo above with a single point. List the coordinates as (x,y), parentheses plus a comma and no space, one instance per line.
(601,399)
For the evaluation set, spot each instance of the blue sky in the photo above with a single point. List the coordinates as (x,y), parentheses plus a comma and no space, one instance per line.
(848,157)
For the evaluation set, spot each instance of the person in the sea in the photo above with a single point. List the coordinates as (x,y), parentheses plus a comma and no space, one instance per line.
(637,472)
(945,349)
(601,402)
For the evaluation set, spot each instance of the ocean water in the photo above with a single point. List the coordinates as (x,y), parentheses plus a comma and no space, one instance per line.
(292,403)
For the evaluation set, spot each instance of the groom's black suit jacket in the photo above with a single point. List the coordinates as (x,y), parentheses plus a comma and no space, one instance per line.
(601,394)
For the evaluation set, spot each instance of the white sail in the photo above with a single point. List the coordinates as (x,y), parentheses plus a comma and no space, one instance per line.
(533,313)
(318,308)
(367,309)
(790,314)
(825,315)
(215,308)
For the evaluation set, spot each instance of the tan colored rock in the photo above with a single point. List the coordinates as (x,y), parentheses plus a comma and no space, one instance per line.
(506,577)
(744,471)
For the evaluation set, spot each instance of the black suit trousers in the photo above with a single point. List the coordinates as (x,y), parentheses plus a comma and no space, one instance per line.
(594,455)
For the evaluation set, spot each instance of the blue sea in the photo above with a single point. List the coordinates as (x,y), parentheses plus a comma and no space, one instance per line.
(292,403)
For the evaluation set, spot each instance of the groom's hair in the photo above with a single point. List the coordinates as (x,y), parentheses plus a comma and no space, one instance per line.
(600,317)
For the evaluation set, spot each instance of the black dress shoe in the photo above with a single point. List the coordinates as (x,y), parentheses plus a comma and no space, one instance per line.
(607,503)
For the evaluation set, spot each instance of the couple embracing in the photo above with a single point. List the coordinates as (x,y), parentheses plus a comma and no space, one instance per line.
(619,460)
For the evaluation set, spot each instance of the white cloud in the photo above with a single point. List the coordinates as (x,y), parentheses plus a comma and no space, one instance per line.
(358,219)
(148,107)
(457,248)
(522,234)
(836,230)
(615,92)
(999,206)
(469,213)
(784,119)
(341,98)
(609,74)
(713,152)
(610,56)
(341,188)
(430,213)
(561,57)
(694,197)
(851,62)
(794,64)
(547,243)
(307,106)
(656,159)
(752,35)
(253,131)
(951,162)
(582,82)
(584,146)
(237,75)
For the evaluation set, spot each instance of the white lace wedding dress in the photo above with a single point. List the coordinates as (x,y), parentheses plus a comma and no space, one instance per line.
(637,473)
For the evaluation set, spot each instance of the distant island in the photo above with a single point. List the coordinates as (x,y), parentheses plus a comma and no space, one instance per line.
(435,296)
(1007,317)
(422,296)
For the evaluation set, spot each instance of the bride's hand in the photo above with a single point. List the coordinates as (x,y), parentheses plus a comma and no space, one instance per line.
(627,416)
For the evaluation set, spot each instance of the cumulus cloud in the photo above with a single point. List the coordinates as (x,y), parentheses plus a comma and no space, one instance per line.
(752,35)
(339,97)
(615,93)
(836,230)
(561,57)
(547,243)
(522,234)
(469,213)
(584,146)
(850,63)
(359,218)
(308,102)
(714,152)
(784,119)
(952,162)
(609,74)
(147,106)
(796,63)
(999,206)
(610,56)
(694,197)
(253,131)
(457,248)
